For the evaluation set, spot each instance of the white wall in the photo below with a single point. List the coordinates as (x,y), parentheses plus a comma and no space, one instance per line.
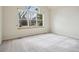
(0,24)
(65,21)
(9,24)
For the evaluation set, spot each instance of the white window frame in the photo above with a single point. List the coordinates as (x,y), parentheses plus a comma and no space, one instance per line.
(28,26)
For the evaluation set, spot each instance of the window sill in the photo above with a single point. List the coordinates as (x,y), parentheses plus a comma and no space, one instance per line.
(30,27)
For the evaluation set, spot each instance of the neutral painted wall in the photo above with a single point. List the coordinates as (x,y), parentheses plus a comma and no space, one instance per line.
(0,24)
(65,21)
(9,23)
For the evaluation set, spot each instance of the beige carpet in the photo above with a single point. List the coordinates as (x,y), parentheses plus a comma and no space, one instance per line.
(41,43)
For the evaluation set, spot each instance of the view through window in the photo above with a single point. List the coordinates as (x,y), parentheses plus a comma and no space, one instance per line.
(29,16)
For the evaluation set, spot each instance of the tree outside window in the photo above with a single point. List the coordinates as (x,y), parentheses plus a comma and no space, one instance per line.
(29,16)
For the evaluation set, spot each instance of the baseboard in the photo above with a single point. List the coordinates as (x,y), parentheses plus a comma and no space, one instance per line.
(66,36)
(25,36)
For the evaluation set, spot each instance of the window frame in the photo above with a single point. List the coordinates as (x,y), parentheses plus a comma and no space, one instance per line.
(28,25)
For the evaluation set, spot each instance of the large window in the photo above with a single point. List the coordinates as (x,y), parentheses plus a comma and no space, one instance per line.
(29,16)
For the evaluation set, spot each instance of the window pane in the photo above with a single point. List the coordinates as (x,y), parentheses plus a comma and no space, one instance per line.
(23,23)
(40,23)
(22,16)
(32,21)
(39,20)
(39,17)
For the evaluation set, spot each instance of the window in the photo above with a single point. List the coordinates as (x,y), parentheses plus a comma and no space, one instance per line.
(29,16)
